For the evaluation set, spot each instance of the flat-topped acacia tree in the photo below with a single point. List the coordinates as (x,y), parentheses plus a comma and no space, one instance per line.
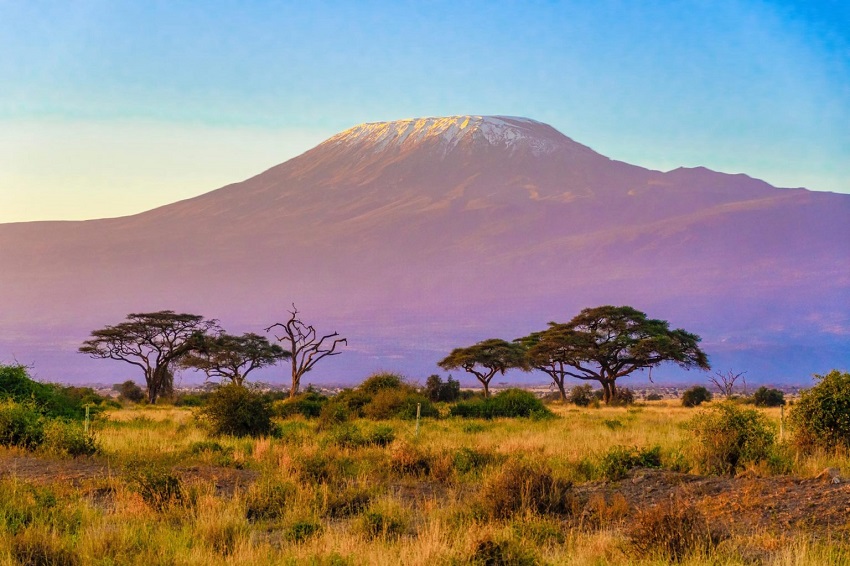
(153,341)
(486,359)
(606,343)
(227,356)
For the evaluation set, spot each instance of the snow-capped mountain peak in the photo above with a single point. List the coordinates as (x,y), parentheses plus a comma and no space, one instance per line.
(449,132)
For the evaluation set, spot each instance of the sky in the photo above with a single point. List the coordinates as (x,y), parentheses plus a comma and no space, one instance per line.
(109,108)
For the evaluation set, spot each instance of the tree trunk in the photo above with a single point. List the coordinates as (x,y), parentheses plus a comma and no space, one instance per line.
(486,388)
(606,392)
(613,387)
(293,391)
(562,391)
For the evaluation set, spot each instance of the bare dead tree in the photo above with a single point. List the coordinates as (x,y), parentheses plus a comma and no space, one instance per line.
(306,346)
(725,382)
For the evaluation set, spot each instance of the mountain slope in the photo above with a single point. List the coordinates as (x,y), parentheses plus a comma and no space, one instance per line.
(415,236)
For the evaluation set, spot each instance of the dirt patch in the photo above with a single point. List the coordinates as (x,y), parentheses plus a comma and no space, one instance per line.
(748,504)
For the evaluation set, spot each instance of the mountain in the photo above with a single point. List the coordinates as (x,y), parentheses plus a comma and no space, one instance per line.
(416,236)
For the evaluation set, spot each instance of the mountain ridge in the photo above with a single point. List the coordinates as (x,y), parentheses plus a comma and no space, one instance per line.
(474,242)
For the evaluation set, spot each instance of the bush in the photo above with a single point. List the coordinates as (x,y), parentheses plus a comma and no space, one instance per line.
(695,396)
(654,397)
(308,404)
(822,415)
(671,532)
(70,438)
(437,390)
(624,398)
(728,437)
(382,522)
(381,381)
(521,487)
(299,531)
(765,397)
(508,403)
(49,399)
(238,411)
(581,395)
(21,424)
(398,404)
(617,462)
(129,391)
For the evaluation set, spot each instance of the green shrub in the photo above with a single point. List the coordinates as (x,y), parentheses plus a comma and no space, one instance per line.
(624,398)
(299,531)
(695,396)
(50,399)
(21,424)
(129,391)
(437,390)
(468,460)
(507,403)
(381,381)
(766,397)
(617,462)
(728,437)
(822,415)
(654,397)
(238,411)
(308,404)
(581,395)
(398,404)
(69,438)
(521,487)
(339,503)
(333,414)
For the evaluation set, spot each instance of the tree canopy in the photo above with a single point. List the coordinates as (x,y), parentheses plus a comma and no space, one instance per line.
(606,343)
(226,356)
(486,359)
(152,341)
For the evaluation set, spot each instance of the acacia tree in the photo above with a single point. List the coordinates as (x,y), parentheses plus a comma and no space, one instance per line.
(606,343)
(153,341)
(725,382)
(226,356)
(486,359)
(305,346)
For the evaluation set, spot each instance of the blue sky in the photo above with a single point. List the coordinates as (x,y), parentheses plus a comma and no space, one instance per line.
(110,108)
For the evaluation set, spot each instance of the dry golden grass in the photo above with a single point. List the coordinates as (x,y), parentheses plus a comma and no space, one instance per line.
(416,502)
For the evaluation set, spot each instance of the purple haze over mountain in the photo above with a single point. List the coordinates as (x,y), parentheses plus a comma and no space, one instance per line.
(416,236)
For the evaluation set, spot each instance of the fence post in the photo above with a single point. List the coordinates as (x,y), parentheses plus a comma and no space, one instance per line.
(418,410)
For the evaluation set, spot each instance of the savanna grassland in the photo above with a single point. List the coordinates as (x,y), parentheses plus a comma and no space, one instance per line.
(587,486)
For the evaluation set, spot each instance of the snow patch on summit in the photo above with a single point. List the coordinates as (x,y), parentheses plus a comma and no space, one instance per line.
(500,131)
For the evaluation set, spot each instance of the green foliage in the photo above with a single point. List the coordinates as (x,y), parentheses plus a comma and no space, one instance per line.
(617,462)
(654,397)
(822,415)
(21,424)
(468,460)
(129,391)
(506,403)
(437,390)
(381,381)
(308,404)
(766,397)
(728,437)
(332,414)
(238,411)
(299,531)
(399,404)
(68,438)
(695,396)
(50,399)
(581,395)
(349,435)
(624,397)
